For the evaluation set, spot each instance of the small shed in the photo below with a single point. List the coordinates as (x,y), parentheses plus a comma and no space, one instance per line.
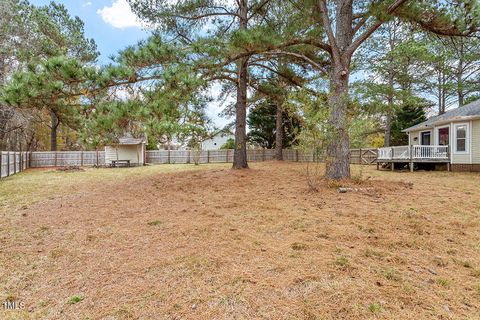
(127,149)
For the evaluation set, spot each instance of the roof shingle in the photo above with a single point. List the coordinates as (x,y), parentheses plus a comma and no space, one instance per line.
(467,111)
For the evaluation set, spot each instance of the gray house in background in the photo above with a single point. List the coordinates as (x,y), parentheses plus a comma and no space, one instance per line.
(452,138)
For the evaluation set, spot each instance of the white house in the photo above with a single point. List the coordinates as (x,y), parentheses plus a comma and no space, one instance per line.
(452,138)
(217,141)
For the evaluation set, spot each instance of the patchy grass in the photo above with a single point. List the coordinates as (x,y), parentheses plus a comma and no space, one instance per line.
(443,282)
(154,223)
(374,307)
(207,242)
(33,185)
(342,262)
(75,299)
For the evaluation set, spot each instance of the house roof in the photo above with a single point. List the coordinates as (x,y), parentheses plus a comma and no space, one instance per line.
(467,112)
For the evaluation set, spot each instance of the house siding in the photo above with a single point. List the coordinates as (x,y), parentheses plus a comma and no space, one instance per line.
(476,142)
(416,134)
(412,136)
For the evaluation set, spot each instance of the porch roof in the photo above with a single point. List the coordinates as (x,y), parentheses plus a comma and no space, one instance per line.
(467,112)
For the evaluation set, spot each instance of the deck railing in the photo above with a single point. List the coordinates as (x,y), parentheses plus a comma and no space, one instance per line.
(419,152)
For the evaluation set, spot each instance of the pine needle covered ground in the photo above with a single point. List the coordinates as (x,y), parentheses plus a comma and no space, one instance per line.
(206,242)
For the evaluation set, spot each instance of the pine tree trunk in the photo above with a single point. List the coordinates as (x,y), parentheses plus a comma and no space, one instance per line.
(240,153)
(53,132)
(388,129)
(460,94)
(279,134)
(338,145)
(388,120)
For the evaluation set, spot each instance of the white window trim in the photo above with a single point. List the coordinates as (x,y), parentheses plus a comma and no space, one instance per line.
(437,135)
(467,138)
(420,137)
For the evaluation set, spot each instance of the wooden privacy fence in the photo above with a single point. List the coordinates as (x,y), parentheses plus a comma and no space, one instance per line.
(14,162)
(67,158)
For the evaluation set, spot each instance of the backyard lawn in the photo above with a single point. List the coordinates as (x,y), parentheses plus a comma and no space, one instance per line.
(206,242)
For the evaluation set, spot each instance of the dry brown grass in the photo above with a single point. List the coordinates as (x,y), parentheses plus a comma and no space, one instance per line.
(253,244)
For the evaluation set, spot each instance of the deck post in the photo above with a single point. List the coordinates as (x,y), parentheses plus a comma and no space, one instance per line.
(449,158)
(411,158)
(393,166)
(378,165)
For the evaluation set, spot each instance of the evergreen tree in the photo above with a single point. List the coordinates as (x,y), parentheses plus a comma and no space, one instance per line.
(262,120)
(39,40)
(393,60)
(407,116)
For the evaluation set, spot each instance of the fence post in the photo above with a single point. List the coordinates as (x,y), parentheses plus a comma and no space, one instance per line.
(208,156)
(296,155)
(8,163)
(30,159)
(97,155)
(226,160)
(21,158)
(263,154)
(14,162)
(360,156)
(81,158)
(1,159)
(55,158)
(168,155)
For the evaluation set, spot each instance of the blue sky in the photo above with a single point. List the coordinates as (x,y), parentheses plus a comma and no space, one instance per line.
(109,22)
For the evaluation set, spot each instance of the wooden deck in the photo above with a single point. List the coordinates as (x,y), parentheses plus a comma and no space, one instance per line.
(413,154)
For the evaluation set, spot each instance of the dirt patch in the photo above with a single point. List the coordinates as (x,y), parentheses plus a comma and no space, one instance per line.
(248,244)
(70,169)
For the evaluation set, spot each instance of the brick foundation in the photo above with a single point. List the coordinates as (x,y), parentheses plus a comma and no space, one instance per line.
(463,167)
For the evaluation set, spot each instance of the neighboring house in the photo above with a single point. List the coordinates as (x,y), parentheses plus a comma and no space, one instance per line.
(127,148)
(452,138)
(217,141)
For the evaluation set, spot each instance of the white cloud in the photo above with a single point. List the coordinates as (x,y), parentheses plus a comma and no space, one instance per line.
(86,4)
(119,15)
